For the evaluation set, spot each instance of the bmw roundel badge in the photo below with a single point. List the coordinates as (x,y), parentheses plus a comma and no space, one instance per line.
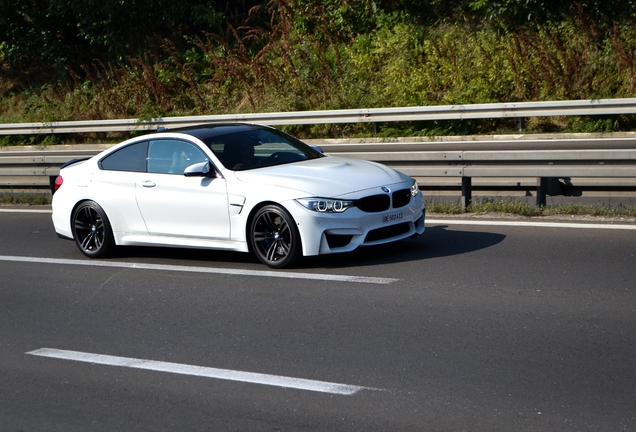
(386,189)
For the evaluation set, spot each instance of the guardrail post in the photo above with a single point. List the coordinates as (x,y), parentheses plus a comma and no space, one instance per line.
(52,184)
(467,191)
(542,189)
(522,124)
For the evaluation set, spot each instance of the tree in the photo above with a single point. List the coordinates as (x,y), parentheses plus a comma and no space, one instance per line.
(53,35)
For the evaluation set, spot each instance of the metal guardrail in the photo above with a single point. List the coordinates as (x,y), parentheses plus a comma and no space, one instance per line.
(35,169)
(371,115)
(551,163)
(453,165)
(556,167)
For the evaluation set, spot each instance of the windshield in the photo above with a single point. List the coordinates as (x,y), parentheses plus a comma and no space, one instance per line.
(259,148)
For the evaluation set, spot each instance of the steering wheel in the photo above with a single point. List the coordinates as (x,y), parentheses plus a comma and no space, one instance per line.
(274,157)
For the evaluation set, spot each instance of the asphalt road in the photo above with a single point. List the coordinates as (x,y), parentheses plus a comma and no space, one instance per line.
(475,328)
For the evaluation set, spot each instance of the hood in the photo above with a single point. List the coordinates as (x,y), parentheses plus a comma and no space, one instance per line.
(329,176)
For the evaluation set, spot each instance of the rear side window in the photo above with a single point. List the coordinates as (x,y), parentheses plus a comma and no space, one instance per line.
(130,158)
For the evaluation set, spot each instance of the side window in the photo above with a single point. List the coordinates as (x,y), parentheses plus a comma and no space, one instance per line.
(129,158)
(169,156)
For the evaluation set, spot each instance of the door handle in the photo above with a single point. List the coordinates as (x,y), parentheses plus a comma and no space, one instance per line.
(148,184)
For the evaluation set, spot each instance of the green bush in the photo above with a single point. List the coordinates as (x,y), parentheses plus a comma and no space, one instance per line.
(300,55)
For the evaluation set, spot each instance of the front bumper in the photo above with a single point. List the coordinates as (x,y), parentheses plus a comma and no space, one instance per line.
(326,233)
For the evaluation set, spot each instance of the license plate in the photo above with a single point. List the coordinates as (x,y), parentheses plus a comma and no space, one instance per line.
(392,217)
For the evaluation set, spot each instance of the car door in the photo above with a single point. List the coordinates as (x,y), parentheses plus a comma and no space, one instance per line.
(115,185)
(178,206)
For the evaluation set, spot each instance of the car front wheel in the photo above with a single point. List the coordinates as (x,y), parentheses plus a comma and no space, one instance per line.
(274,237)
(91,230)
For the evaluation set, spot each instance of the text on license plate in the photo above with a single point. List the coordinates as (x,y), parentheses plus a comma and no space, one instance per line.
(392,217)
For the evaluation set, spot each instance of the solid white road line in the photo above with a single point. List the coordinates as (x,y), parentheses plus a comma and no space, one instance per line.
(529,224)
(17,210)
(213,270)
(224,374)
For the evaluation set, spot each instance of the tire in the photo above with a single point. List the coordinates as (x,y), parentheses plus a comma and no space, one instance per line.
(274,237)
(91,230)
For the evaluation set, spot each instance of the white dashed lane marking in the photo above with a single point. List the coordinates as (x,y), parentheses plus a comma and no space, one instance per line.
(200,371)
(193,269)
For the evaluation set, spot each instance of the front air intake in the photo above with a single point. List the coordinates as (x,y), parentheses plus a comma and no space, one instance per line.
(387,232)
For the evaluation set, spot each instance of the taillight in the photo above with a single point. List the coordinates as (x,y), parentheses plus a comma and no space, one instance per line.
(58,183)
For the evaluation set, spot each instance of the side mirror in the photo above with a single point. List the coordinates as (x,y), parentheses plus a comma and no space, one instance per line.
(317,148)
(201,169)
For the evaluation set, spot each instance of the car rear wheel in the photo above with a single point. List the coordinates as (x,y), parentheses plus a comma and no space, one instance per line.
(274,237)
(91,230)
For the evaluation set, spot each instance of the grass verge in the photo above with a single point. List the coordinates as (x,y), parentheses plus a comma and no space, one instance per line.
(29,198)
(525,209)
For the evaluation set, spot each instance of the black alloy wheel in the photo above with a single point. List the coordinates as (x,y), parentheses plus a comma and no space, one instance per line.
(91,230)
(274,237)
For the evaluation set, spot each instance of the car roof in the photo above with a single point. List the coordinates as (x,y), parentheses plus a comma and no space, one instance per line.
(212,130)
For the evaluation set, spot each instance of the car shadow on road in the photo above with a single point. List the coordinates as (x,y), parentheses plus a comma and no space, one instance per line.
(171,254)
(437,241)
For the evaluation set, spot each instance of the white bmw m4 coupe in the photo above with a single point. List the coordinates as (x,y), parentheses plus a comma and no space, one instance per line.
(237,187)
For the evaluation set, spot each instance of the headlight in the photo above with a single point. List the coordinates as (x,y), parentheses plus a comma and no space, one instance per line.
(325,205)
(415,188)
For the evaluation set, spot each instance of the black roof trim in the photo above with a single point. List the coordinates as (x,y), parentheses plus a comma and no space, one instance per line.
(204,131)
